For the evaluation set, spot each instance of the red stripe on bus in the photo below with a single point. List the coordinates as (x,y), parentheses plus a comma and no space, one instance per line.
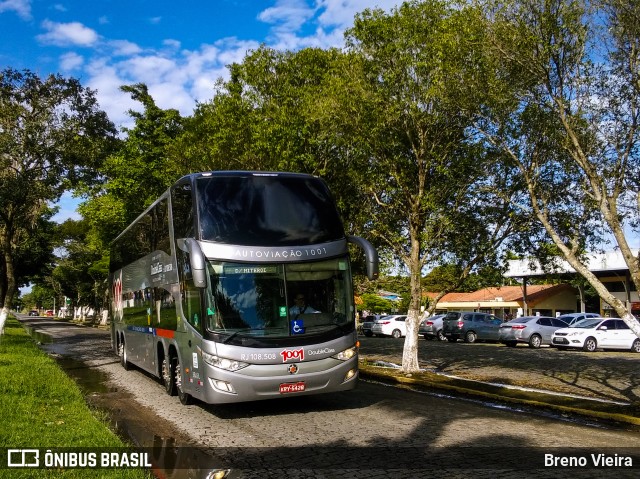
(165,333)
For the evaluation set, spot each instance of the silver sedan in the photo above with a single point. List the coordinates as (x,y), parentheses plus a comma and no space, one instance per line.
(533,330)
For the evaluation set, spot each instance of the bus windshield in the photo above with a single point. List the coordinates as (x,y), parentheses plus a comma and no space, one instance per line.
(278,300)
(266,211)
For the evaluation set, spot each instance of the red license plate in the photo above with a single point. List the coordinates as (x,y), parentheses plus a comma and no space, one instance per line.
(286,388)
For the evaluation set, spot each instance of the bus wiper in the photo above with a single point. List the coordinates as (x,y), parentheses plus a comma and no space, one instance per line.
(227,340)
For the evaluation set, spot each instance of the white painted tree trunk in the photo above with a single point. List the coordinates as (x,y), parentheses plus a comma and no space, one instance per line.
(4,314)
(410,362)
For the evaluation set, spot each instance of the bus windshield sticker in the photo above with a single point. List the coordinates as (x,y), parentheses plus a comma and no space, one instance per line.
(297,326)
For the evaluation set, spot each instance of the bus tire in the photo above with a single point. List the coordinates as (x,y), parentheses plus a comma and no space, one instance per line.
(185,398)
(169,376)
(122,352)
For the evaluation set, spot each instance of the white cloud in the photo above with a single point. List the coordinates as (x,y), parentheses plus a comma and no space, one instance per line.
(67,34)
(155,20)
(124,48)
(288,15)
(22,8)
(71,61)
(178,78)
(171,43)
(340,13)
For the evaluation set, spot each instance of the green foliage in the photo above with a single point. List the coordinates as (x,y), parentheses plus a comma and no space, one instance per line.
(375,304)
(41,297)
(52,136)
(83,266)
(138,172)
(562,114)
(45,408)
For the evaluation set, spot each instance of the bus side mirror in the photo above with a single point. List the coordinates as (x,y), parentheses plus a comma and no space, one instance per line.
(196,259)
(370,254)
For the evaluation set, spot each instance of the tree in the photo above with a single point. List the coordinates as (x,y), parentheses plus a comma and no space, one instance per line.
(375,304)
(139,171)
(52,135)
(422,192)
(564,111)
(82,266)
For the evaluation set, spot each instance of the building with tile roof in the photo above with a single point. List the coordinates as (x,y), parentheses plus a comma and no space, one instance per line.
(512,301)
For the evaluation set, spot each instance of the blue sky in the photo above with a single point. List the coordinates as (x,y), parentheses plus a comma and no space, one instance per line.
(179,49)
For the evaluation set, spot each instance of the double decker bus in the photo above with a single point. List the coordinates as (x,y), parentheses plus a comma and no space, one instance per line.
(236,286)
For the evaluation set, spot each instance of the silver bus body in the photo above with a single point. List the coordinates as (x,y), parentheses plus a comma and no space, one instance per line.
(203,283)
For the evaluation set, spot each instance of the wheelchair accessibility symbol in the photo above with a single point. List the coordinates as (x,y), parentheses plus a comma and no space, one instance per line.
(297,326)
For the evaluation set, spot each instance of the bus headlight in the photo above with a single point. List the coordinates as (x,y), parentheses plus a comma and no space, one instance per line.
(346,354)
(223,363)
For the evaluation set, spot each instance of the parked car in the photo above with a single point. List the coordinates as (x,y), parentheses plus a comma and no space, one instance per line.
(471,326)
(431,327)
(33,312)
(367,324)
(48,312)
(593,333)
(572,318)
(533,330)
(394,326)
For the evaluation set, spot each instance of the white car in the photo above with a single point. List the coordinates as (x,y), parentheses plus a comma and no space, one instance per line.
(394,326)
(593,333)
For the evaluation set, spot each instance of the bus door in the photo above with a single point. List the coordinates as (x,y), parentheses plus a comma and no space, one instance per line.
(191,341)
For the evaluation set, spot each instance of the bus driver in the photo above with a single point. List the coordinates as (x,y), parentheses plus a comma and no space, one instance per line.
(301,306)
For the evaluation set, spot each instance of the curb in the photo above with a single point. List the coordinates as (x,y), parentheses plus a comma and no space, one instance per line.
(432,382)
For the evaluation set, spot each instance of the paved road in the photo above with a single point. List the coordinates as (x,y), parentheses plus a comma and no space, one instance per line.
(607,375)
(374,431)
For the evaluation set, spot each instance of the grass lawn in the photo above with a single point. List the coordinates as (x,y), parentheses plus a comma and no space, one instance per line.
(41,407)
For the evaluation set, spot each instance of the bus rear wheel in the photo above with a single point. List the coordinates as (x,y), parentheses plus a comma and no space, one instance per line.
(122,352)
(185,398)
(169,376)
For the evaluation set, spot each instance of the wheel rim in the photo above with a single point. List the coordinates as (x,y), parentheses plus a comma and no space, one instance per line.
(178,377)
(396,334)
(636,346)
(536,341)
(471,337)
(591,345)
(441,336)
(166,372)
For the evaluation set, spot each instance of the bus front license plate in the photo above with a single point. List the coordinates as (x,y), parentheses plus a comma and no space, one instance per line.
(286,388)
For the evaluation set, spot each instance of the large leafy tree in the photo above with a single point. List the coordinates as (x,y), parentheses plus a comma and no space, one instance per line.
(423,193)
(267,116)
(52,135)
(137,173)
(563,111)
